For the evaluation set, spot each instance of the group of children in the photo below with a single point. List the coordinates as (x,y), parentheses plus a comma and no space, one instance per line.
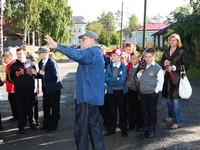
(132,87)
(23,80)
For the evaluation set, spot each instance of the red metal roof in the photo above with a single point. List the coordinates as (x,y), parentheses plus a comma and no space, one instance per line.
(154,26)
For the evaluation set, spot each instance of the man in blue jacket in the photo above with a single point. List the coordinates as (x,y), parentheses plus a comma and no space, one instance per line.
(89,89)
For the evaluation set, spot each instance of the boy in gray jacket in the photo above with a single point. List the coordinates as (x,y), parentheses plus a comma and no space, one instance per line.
(151,82)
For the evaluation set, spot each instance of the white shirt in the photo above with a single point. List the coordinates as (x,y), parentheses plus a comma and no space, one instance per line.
(44,61)
(118,65)
(160,77)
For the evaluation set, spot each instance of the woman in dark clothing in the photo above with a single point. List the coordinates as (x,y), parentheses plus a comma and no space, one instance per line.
(171,62)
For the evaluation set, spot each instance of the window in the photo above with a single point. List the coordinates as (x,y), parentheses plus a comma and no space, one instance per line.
(74,30)
(74,40)
(70,40)
(79,29)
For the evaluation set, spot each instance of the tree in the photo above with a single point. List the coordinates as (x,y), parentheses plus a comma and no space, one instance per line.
(45,17)
(108,21)
(95,26)
(115,38)
(186,24)
(195,4)
(133,25)
(55,18)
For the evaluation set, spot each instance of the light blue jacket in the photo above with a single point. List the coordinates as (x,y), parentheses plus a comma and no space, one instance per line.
(90,73)
(112,81)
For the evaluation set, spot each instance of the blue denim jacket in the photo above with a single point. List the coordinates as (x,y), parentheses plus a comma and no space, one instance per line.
(112,81)
(90,73)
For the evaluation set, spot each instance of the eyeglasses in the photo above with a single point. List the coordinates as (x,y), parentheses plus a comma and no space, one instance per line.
(83,39)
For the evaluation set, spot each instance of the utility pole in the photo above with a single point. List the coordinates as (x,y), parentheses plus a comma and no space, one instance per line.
(144,24)
(25,23)
(121,25)
(1,27)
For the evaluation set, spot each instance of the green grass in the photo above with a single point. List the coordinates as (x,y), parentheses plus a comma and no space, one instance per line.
(193,72)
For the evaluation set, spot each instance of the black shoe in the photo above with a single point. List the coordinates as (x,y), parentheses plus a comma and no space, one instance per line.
(33,127)
(50,129)
(124,134)
(13,119)
(151,134)
(37,124)
(109,133)
(130,129)
(21,131)
(143,134)
(139,129)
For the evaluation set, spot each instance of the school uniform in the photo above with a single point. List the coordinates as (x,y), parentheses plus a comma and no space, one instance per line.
(135,119)
(115,78)
(151,82)
(24,93)
(51,87)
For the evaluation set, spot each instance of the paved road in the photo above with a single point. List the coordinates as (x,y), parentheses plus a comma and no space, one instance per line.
(185,138)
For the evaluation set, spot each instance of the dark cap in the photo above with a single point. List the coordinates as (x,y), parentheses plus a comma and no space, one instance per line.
(42,50)
(89,34)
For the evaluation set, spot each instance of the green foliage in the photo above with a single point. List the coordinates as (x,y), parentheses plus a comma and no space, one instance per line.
(193,72)
(187,26)
(115,38)
(104,38)
(108,21)
(95,26)
(133,25)
(159,55)
(42,16)
(104,26)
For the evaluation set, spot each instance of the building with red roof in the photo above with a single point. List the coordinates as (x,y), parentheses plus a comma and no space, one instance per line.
(151,28)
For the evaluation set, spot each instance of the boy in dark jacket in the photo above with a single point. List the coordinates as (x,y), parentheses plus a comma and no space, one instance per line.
(20,74)
(51,87)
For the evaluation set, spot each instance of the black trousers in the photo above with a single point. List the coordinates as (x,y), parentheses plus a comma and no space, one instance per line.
(13,104)
(25,101)
(117,100)
(51,109)
(35,107)
(135,117)
(149,108)
(104,111)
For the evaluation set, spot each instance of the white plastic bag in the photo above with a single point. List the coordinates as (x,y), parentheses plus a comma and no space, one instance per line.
(185,89)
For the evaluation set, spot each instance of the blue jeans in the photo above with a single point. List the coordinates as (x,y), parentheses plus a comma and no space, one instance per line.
(175,110)
(87,123)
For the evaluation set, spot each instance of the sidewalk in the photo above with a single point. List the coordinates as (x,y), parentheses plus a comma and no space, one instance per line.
(185,138)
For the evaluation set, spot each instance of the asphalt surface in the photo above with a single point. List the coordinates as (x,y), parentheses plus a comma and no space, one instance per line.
(185,138)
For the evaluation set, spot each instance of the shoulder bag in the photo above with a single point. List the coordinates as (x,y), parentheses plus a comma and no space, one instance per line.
(185,89)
